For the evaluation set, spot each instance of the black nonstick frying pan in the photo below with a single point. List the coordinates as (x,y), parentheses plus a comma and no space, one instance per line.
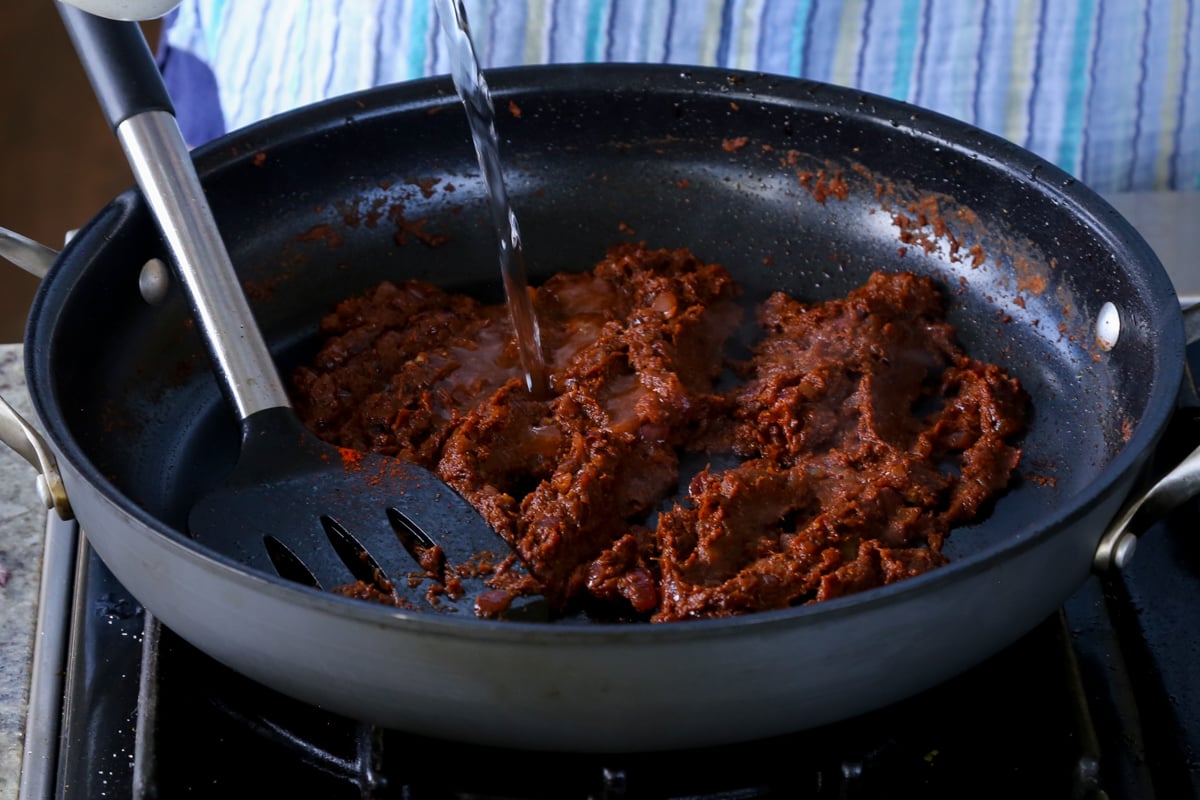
(325,202)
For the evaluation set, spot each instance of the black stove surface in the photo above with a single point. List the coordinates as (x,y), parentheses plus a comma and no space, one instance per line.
(1101,700)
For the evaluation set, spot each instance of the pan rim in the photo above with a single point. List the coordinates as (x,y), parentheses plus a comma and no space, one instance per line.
(423,93)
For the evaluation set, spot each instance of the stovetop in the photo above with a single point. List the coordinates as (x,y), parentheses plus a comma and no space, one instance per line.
(1102,700)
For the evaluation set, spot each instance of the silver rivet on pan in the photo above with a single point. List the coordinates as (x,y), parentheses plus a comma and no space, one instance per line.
(1108,326)
(153,281)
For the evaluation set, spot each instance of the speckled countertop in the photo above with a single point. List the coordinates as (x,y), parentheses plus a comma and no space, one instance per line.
(22,525)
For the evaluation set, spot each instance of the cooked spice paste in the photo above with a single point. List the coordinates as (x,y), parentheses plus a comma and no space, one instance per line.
(851,435)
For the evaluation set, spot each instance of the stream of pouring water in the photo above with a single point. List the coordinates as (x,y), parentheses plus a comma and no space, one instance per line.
(477,99)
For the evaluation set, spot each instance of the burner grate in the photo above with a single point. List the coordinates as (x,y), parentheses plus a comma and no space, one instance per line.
(191,727)
(229,735)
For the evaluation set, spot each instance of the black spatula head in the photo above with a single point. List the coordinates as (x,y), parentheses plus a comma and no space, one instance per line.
(361,524)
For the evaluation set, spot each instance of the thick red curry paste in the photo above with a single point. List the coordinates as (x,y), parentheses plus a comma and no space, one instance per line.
(854,433)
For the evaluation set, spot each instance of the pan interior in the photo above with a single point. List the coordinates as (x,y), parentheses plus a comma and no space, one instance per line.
(792,186)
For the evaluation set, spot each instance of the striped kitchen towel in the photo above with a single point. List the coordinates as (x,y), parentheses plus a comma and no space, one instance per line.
(1109,90)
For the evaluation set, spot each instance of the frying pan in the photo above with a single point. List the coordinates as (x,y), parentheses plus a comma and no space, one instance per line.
(791,185)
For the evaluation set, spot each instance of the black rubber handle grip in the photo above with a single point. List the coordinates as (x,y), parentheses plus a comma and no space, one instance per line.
(119,64)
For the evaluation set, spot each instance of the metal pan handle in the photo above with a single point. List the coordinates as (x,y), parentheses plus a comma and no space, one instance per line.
(22,437)
(15,431)
(33,257)
(1181,484)
(25,440)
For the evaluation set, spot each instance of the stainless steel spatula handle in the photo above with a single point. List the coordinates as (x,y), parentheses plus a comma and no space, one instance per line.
(135,102)
(163,168)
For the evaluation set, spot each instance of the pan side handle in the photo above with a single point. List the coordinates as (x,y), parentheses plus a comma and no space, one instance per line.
(33,257)
(19,435)
(1181,484)
(25,440)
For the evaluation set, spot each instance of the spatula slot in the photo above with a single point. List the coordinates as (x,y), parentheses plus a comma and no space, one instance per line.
(409,532)
(288,564)
(356,557)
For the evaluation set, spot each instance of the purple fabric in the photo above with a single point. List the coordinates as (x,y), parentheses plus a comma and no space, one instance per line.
(200,117)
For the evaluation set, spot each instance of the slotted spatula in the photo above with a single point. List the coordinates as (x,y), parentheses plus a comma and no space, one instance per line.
(293,504)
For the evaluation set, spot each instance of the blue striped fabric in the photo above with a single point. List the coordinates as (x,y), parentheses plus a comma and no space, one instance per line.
(1107,89)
